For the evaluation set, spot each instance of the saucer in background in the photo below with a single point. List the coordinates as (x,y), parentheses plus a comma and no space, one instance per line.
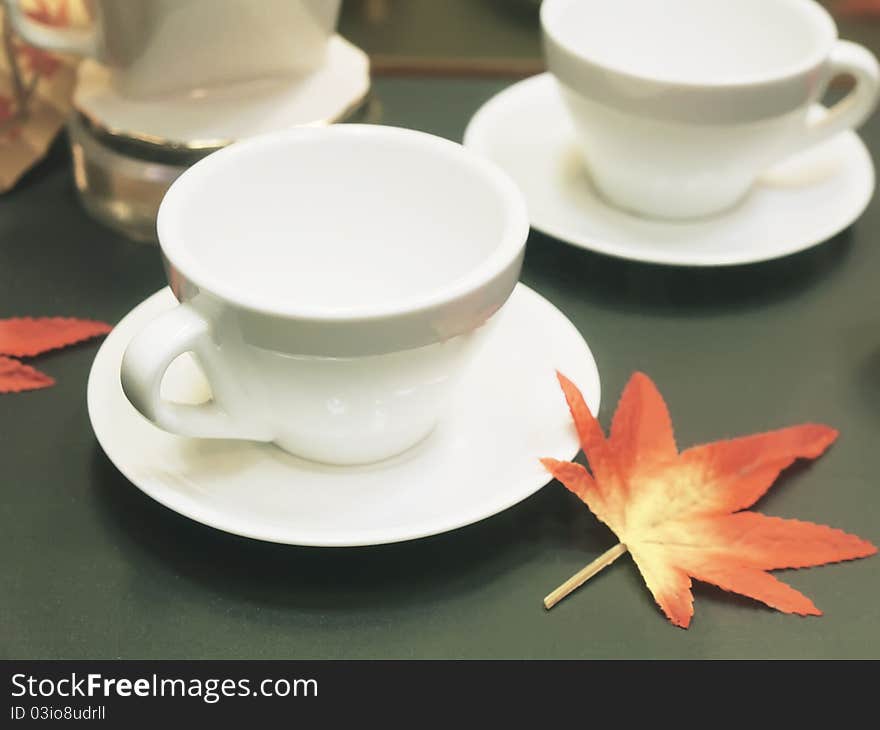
(213,118)
(808,199)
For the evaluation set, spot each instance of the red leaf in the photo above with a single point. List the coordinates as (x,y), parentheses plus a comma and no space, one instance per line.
(678,514)
(15,376)
(27,336)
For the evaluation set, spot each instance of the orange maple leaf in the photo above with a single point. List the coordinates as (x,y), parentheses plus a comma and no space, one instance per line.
(678,514)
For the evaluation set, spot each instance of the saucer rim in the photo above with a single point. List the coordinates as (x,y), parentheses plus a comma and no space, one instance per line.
(479,127)
(96,391)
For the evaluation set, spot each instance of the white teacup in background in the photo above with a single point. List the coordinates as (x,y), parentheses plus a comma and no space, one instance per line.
(332,282)
(156,47)
(680,105)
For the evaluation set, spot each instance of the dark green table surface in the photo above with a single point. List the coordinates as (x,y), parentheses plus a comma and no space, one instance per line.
(92,568)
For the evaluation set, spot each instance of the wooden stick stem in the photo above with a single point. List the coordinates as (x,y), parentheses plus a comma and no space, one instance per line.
(582,576)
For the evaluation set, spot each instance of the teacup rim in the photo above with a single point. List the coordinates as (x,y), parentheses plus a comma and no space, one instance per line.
(791,72)
(501,258)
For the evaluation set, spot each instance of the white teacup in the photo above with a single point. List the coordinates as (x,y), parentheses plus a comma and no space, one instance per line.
(680,105)
(156,47)
(332,283)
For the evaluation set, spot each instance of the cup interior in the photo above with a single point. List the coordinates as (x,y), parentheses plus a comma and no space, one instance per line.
(346,219)
(693,41)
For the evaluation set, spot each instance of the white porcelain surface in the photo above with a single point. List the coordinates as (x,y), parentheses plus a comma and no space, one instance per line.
(798,204)
(156,47)
(483,457)
(333,283)
(214,117)
(678,113)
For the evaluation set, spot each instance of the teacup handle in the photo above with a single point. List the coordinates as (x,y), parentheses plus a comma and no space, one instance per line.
(63,40)
(148,356)
(847,59)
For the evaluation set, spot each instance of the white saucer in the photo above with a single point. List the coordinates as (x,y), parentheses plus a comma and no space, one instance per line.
(215,118)
(805,201)
(483,458)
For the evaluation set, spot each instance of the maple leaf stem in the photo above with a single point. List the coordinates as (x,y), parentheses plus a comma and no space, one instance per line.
(582,576)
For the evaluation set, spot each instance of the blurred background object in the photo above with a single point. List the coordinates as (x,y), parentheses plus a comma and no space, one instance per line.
(494,37)
(121,180)
(866,8)
(35,88)
(154,85)
(482,37)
